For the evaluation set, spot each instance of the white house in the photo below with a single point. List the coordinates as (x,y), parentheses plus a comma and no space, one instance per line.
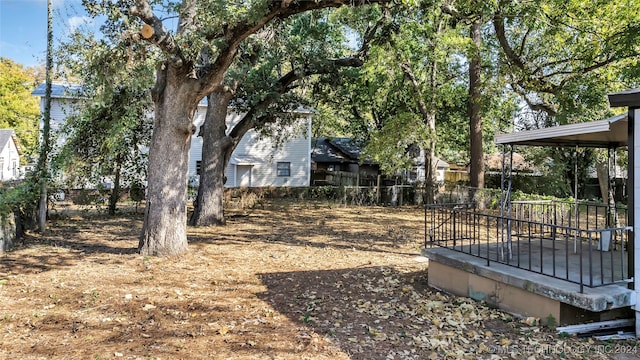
(259,162)
(441,167)
(10,152)
(256,161)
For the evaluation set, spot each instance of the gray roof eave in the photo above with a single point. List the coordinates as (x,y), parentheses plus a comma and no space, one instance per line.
(628,98)
(610,132)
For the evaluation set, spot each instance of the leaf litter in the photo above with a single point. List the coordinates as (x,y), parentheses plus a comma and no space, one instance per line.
(290,281)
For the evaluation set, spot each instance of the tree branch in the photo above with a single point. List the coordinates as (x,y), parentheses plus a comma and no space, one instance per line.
(284,84)
(160,36)
(514,59)
(536,106)
(187,16)
(236,34)
(408,72)
(540,84)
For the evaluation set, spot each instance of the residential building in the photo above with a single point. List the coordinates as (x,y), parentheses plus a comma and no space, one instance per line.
(10,152)
(260,161)
(339,161)
(256,162)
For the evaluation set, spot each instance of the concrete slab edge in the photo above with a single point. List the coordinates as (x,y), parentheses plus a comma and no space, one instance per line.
(593,299)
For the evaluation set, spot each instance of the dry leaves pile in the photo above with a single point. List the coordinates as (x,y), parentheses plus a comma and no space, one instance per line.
(291,281)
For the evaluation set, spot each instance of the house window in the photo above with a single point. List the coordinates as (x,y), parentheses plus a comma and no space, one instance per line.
(15,169)
(198,167)
(284,169)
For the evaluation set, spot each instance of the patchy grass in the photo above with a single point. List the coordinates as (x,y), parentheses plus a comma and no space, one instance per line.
(290,281)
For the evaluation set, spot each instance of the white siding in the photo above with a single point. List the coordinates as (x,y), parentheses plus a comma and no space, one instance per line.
(263,154)
(230,172)
(61,108)
(195,154)
(9,162)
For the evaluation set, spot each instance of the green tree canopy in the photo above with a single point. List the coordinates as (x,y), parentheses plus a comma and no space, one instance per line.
(18,109)
(108,135)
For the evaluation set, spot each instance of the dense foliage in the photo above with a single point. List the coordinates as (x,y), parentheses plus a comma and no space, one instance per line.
(106,136)
(18,109)
(432,76)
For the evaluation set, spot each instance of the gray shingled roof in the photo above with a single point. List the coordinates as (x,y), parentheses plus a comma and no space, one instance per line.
(335,150)
(60,90)
(345,151)
(6,135)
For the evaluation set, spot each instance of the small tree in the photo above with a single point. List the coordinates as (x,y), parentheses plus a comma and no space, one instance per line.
(108,135)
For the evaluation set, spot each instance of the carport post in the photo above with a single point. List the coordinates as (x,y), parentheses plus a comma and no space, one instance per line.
(631,100)
(634,209)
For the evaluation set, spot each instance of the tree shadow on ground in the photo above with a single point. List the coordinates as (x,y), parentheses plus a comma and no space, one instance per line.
(353,228)
(370,312)
(70,239)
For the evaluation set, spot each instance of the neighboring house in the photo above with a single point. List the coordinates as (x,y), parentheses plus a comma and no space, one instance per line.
(416,174)
(338,161)
(256,162)
(493,166)
(519,165)
(65,100)
(10,152)
(342,156)
(457,173)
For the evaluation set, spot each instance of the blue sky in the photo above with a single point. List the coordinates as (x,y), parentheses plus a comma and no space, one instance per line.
(23,27)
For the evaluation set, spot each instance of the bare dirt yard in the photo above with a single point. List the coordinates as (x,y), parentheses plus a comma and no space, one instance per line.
(290,281)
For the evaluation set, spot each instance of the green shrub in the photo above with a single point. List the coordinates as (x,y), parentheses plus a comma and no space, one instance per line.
(20,198)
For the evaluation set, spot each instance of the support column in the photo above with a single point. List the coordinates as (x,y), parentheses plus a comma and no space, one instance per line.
(634,210)
(576,204)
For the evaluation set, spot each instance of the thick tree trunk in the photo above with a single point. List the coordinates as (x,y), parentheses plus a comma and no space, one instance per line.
(115,193)
(430,161)
(165,222)
(209,209)
(607,193)
(476,171)
(602,171)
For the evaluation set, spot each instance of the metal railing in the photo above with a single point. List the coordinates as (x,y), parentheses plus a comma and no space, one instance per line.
(580,214)
(589,257)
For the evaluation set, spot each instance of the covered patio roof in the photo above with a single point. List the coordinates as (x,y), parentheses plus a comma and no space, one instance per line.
(606,133)
(627,98)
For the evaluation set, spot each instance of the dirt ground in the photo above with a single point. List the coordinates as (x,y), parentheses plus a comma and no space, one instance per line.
(290,281)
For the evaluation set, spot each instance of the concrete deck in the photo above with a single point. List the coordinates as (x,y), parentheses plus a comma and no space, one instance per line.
(555,258)
(592,299)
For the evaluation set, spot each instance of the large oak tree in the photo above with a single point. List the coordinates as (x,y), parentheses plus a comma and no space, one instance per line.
(266,84)
(196,57)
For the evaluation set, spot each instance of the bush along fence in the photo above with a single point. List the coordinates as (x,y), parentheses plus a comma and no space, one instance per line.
(8,231)
(397,195)
(17,208)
